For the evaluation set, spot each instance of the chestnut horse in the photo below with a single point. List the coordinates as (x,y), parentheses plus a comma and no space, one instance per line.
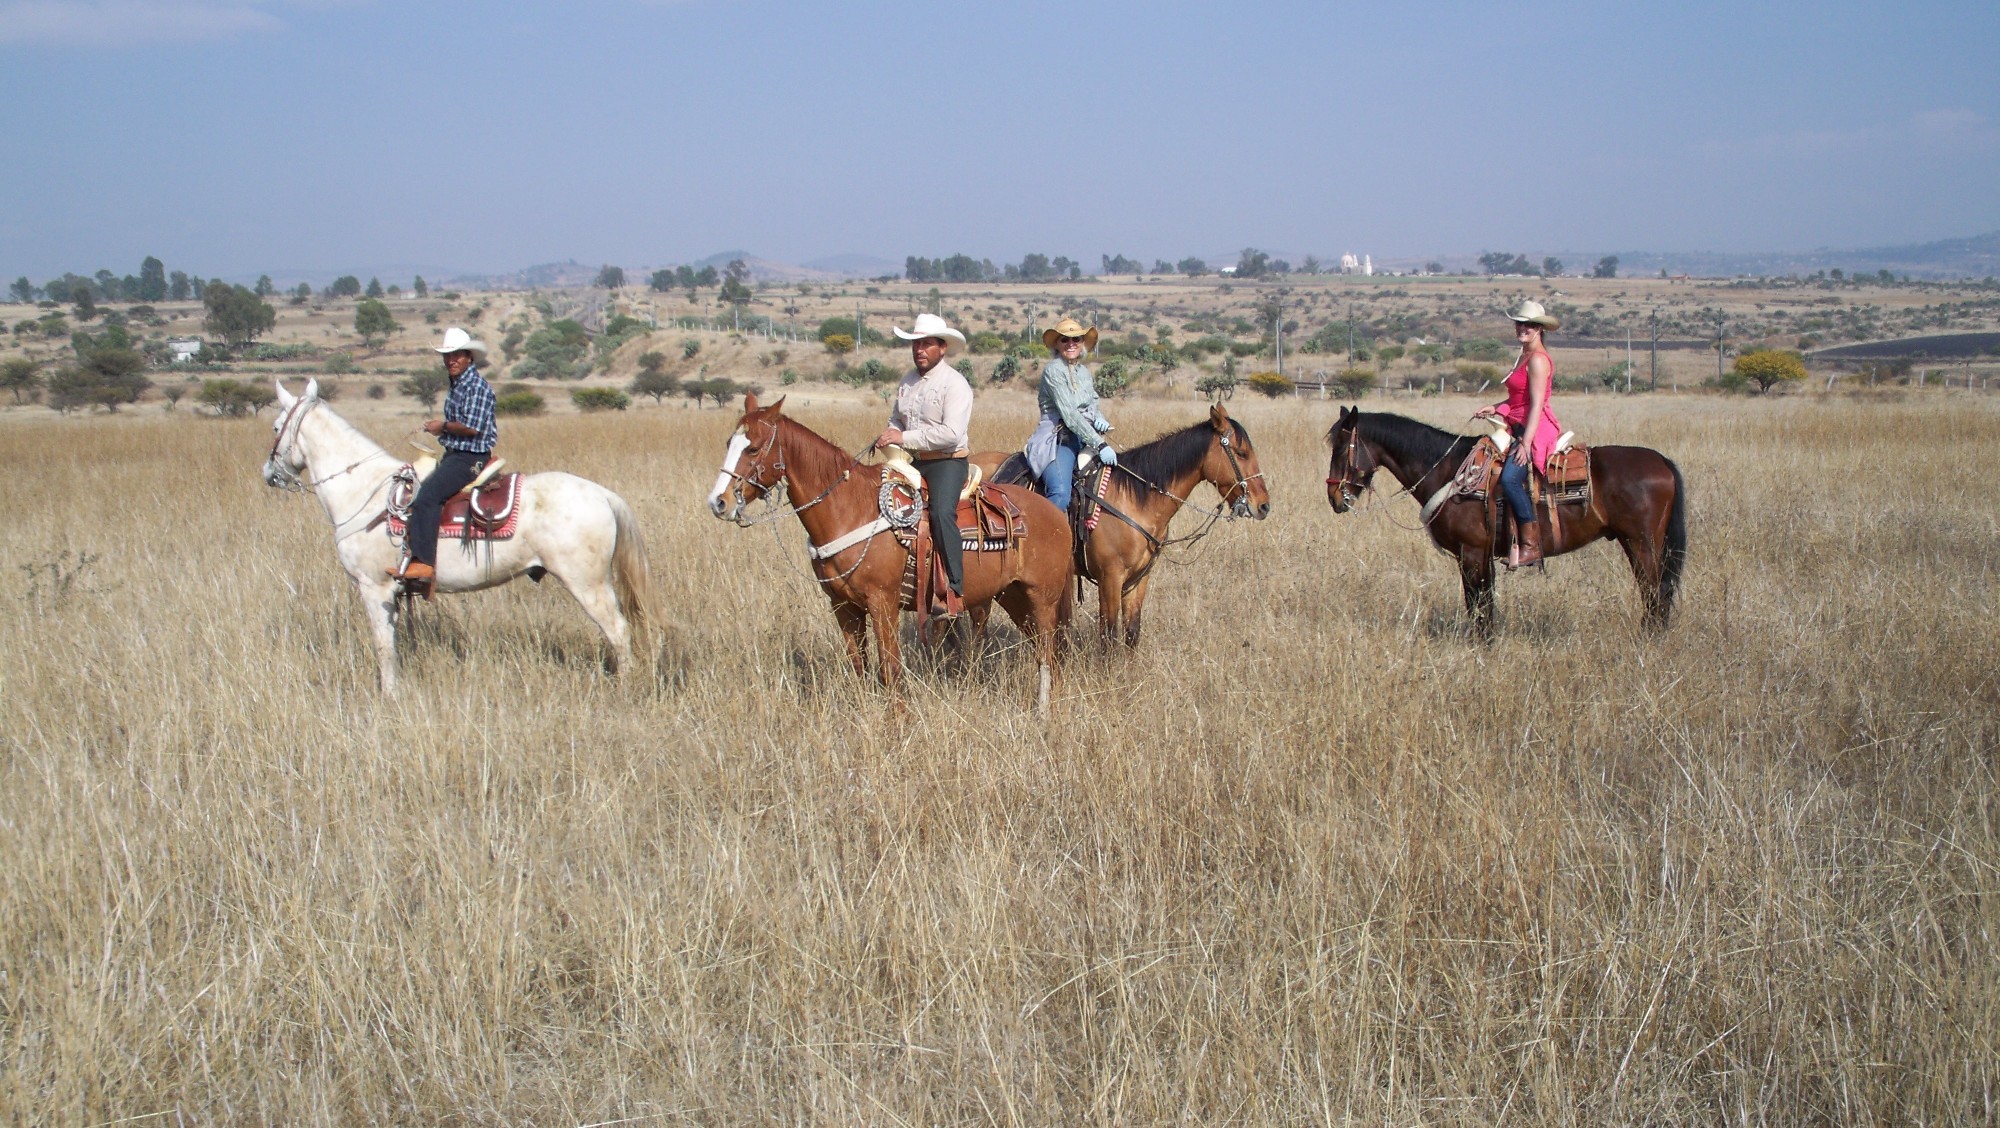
(864,579)
(1148,486)
(1637,498)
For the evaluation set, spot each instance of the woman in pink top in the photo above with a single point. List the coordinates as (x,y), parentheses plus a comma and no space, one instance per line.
(1526,413)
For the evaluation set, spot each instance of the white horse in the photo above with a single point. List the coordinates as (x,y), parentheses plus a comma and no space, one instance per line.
(569,527)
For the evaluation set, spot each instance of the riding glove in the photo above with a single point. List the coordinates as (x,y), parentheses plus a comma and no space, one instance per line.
(1106,455)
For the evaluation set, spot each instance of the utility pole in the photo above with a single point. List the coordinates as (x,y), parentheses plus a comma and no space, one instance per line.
(1718,346)
(1628,358)
(1654,384)
(1350,334)
(1278,339)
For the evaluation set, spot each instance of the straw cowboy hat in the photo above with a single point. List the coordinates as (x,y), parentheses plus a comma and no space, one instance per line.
(1068,327)
(931,325)
(1532,313)
(458,340)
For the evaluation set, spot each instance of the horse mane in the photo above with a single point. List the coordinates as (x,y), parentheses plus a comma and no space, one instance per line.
(812,451)
(1411,440)
(1169,455)
(348,428)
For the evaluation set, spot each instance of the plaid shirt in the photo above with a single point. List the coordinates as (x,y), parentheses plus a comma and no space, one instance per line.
(471,403)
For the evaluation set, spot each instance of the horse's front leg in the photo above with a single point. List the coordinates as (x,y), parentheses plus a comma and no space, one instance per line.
(888,620)
(1110,607)
(378,602)
(1133,607)
(854,634)
(1475,572)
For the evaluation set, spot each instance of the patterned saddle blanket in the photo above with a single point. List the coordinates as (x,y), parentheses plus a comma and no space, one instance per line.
(1478,477)
(491,513)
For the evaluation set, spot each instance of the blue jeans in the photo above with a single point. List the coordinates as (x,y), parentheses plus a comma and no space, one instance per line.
(1060,473)
(454,472)
(1514,487)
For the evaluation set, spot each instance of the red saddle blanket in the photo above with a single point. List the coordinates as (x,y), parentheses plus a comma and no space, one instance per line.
(491,514)
(988,521)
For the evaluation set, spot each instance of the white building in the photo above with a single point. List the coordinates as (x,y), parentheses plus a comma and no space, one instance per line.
(184,348)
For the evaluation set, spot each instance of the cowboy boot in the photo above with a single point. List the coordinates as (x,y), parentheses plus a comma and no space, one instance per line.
(413,572)
(1527,545)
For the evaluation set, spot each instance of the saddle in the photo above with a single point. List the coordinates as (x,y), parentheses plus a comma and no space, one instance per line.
(1086,498)
(988,521)
(486,509)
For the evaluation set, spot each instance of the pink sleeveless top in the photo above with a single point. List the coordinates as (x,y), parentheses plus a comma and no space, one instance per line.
(1542,439)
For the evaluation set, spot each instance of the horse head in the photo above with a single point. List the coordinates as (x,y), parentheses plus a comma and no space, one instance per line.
(1351,471)
(751,464)
(1231,467)
(287,459)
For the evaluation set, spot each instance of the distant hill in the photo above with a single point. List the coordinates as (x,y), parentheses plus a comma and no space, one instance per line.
(1975,257)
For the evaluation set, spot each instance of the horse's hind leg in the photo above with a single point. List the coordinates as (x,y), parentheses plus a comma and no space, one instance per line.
(1644,557)
(1039,620)
(600,602)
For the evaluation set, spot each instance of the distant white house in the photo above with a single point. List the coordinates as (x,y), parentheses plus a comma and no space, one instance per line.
(184,348)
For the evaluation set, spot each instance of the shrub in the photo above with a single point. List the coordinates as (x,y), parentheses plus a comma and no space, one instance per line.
(424,387)
(340,363)
(377,391)
(1355,382)
(1269,384)
(1112,378)
(234,397)
(1008,367)
(600,399)
(522,402)
(986,343)
(839,344)
(1217,386)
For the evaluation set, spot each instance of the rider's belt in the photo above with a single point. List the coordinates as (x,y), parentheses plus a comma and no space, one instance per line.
(934,455)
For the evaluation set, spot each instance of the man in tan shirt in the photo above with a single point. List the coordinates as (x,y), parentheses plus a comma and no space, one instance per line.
(930,418)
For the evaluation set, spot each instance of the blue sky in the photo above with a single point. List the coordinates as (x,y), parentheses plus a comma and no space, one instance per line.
(231,137)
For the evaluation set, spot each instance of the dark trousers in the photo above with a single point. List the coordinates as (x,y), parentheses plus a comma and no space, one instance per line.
(944,477)
(454,472)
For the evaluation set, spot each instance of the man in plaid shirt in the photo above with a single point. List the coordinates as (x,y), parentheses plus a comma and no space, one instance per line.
(467,432)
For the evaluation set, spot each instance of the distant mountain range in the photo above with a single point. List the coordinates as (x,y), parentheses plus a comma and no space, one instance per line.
(1974,257)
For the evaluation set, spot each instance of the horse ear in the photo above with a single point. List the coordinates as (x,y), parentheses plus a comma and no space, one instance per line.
(777,406)
(312,388)
(285,398)
(749,403)
(1218,419)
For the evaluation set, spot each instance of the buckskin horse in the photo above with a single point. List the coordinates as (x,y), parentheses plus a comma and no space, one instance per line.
(1637,498)
(864,579)
(1145,489)
(567,527)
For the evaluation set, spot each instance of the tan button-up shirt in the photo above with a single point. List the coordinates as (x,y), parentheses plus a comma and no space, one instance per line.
(933,410)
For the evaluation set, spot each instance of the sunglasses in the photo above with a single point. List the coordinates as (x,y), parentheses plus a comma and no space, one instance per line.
(1070,340)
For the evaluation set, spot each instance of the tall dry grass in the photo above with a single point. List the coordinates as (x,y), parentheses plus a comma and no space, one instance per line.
(1309,856)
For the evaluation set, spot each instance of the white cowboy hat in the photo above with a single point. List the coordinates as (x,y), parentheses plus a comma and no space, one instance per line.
(931,325)
(458,340)
(1532,313)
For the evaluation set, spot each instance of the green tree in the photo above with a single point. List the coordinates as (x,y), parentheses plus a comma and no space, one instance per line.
(235,314)
(70,388)
(425,387)
(86,304)
(178,286)
(374,322)
(1767,368)
(610,278)
(1552,267)
(1252,263)
(653,378)
(1355,382)
(303,294)
(735,285)
(1192,267)
(20,375)
(264,287)
(152,280)
(1607,267)
(23,290)
(661,281)
(420,287)
(345,286)
(234,397)
(1217,386)
(374,288)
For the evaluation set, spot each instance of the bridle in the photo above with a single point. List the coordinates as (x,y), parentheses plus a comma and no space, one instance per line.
(1241,506)
(1351,484)
(754,475)
(278,466)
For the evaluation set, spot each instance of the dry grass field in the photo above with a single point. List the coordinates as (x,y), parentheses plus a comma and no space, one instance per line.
(1307,857)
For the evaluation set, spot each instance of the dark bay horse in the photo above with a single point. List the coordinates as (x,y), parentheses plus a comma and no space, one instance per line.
(834,495)
(1637,498)
(1149,485)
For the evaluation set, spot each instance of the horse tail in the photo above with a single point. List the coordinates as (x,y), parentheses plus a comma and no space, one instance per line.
(1675,558)
(630,575)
